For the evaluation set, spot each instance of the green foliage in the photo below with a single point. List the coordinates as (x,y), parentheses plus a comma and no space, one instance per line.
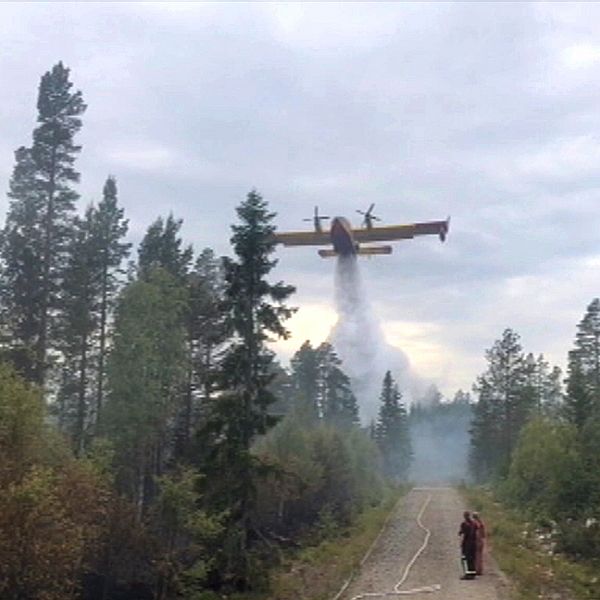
(21,425)
(321,390)
(140,369)
(162,247)
(533,569)
(51,506)
(144,378)
(305,380)
(509,392)
(110,228)
(318,475)
(255,311)
(184,536)
(583,380)
(545,473)
(319,569)
(338,403)
(391,431)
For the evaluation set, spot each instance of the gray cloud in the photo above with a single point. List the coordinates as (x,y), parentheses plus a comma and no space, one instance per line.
(487,112)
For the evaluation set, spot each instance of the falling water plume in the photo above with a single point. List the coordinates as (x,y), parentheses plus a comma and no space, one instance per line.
(359,341)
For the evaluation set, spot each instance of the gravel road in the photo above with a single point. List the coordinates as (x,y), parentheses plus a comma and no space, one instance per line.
(438,563)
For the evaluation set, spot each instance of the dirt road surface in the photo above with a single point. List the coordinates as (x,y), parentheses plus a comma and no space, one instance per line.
(439,561)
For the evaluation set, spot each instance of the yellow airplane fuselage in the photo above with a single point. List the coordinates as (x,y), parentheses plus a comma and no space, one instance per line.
(342,238)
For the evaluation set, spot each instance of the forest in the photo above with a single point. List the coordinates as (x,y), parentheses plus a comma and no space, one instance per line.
(151,445)
(536,438)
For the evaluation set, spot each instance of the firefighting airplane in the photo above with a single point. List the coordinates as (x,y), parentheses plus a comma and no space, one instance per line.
(346,241)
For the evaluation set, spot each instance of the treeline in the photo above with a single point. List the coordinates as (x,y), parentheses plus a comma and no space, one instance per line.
(539,439)
(150,444)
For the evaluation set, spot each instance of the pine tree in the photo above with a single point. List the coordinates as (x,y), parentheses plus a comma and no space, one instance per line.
(339,406)
(543,384)
(305,380)
(162,247)
(78,324)
(391,431)
(38,222)
(255,312)
(22,272)
(110,228)
(206,334)
(504,404)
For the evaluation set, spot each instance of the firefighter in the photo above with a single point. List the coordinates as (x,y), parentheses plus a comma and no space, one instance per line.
(468,545)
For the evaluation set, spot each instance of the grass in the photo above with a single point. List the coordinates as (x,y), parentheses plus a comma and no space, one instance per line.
(534,572)
(316,572)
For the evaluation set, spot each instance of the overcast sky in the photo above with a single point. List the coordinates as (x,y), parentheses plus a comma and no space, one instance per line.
(489,113)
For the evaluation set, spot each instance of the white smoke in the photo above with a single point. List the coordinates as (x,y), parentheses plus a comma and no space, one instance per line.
(360,343)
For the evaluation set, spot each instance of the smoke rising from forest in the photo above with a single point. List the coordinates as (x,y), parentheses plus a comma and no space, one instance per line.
(440,447)
(360,343)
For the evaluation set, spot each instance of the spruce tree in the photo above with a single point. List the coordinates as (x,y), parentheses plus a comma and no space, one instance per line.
(391,431)
(38,222)
(256,311)
(583,376)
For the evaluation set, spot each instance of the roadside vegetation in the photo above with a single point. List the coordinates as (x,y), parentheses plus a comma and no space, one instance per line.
(536,443)
(527,555)
(328,555)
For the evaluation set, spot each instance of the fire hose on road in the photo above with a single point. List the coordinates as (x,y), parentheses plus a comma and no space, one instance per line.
(397,591)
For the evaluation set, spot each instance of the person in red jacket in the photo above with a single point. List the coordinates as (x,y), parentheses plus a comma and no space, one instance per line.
(479,542)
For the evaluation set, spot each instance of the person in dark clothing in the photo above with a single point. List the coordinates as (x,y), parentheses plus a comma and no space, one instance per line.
(468,544)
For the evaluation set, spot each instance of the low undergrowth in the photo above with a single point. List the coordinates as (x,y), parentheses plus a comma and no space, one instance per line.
(535,571)
(317,570)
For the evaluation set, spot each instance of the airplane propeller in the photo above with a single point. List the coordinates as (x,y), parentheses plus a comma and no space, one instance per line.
(316,219)
(369,217)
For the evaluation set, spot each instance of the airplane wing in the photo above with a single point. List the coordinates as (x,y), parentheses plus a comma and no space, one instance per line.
(303,238)
(402,232)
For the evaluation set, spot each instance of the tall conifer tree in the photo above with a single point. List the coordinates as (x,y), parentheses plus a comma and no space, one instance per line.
(504,404)
(583,374)
(38,222)
(305,381)
(391,431)
(256,311)
(78,324)
(110,229)
(339,406)
(162,246)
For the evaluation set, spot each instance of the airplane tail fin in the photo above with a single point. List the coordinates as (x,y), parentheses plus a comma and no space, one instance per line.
(444,230)
(372,250)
